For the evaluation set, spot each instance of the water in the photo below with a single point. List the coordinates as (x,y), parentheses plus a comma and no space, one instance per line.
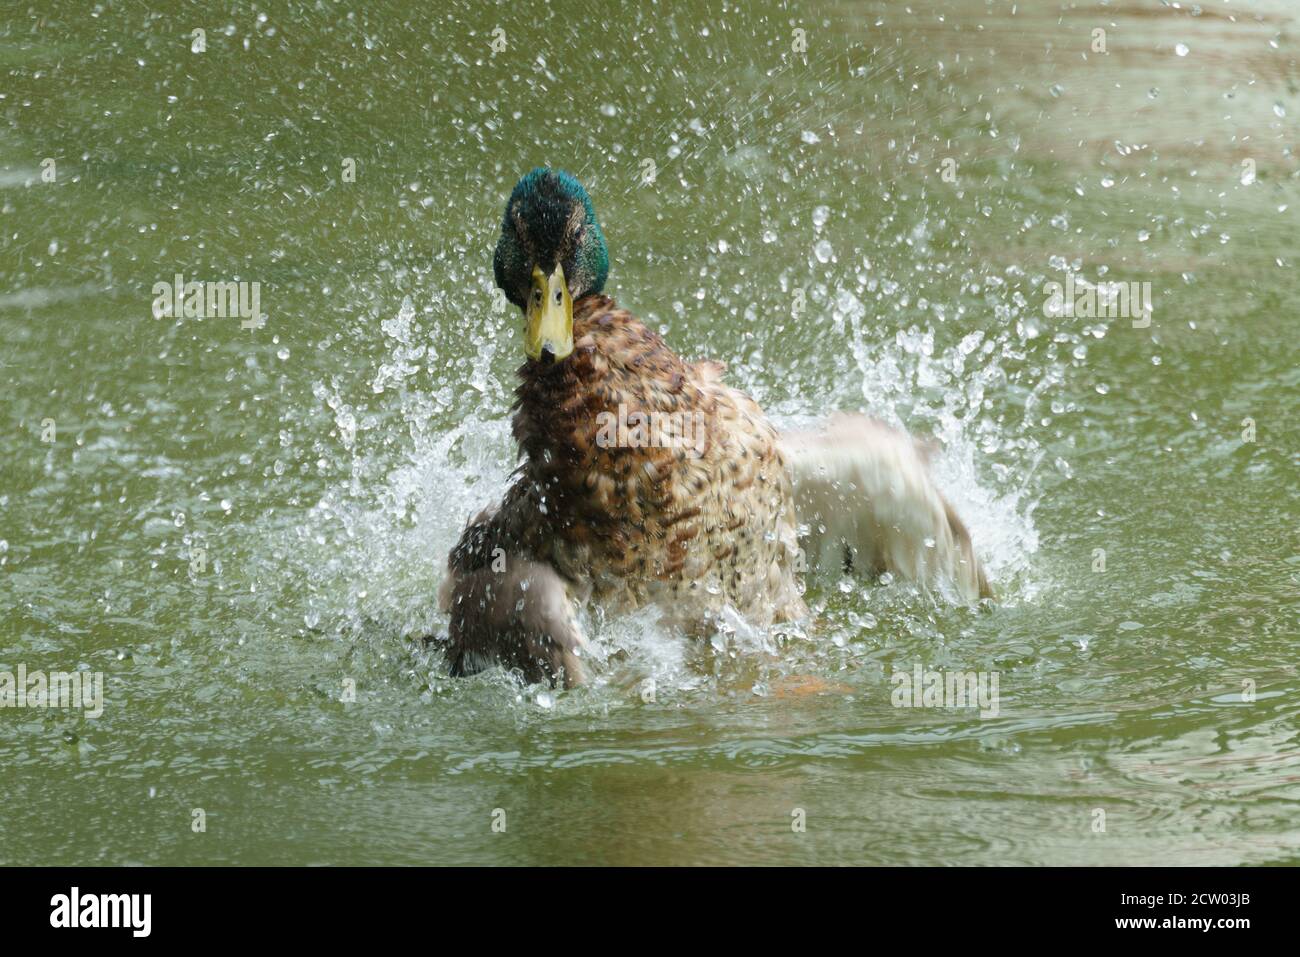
(238,526)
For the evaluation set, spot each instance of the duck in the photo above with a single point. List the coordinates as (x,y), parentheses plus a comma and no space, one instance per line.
(644,479)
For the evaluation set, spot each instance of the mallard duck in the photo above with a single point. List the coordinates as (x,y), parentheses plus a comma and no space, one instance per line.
(646,480)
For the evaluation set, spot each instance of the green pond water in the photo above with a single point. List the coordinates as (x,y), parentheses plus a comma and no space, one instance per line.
(240,527)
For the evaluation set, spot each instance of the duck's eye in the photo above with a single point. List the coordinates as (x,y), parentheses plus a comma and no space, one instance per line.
(559,297)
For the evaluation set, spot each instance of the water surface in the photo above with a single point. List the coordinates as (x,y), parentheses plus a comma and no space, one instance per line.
(799,227)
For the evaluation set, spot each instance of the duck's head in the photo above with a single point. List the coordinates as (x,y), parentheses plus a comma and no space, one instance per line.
(551,252)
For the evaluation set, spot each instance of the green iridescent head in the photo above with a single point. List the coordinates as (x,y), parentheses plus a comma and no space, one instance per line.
(551,252)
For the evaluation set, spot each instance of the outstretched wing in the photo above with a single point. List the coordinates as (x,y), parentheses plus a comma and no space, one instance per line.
(865,493)
(509,610)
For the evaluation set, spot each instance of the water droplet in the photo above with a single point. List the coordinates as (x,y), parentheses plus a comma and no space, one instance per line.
(820,215)
(823,251)
(1182,49)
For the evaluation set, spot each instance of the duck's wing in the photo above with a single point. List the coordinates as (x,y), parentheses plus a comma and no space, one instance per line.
(507,609)
(864,491)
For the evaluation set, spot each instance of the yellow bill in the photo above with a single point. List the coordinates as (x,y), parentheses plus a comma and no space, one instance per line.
(549,330)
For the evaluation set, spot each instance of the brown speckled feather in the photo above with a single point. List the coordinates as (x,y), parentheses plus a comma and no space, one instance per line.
(689,529)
